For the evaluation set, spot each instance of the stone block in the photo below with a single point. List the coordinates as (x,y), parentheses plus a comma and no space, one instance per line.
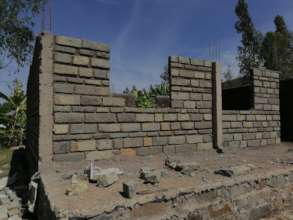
(170,117)
(133,142)
(69,157)
(63,88)
(177,140)
(147,141)
(83,128)
(101,74)
(81,60)
(187,125)
(175,126)
(193,139)
(129,189)
(65,69)
(165,126)
(180,82)
(61,128)
(64,49)
(106,179)
(145,117)
(63,58)
(100,117)
(207,117)
(159,141)
(150,126)
(84,145)
(189,104)
(68,117)
(61,147)
(103,91)
(127,127)
(85,72)
(66,99)
(146,151)
(87,52)
(99,155)
(113,101)
(126,117)
(205,146)
(101,63)
(205,84)
(129,152)
(180,96)
(68,41)
(183,117)
(90,100)
(109,127)
(203,125)
(185,148)
(158,117)
(104,144)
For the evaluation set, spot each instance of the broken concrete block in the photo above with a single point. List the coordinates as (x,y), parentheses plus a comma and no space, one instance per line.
(188,168)
(15,217)
(106,179)
(129,189)
(3,213)
(236,170)
(171,163)
(150,175)
(185,168)
(95,172)
(3,182)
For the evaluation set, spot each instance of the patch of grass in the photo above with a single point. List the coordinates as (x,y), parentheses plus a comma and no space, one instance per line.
(5,158)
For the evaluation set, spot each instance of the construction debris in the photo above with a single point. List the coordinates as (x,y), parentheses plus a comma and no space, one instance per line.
(236,170)
(129,189)
(149,175)
(104,177)
(188,168)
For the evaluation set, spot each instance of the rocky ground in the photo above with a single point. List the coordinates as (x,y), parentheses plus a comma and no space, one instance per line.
(146,179)
(10,203)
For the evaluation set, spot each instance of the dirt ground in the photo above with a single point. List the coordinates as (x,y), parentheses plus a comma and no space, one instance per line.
(265,160)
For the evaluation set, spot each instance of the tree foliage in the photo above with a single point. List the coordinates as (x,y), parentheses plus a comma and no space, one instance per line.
(277,50)
(16,22)
(249,53)
(147,98)
(13,116)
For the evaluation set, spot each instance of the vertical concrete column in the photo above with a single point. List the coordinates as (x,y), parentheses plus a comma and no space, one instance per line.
(46,99)
(217,107)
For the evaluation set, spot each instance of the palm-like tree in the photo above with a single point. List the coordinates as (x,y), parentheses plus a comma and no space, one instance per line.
(13,116)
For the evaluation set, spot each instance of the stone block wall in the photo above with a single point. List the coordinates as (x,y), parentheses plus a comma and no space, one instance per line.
(90,123)
(260,125)
(73,115)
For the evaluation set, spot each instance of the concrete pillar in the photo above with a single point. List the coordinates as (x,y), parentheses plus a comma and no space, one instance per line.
(46,99)
(217,107)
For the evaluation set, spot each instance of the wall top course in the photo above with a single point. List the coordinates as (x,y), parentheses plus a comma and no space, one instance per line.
(79,43)
(190,61)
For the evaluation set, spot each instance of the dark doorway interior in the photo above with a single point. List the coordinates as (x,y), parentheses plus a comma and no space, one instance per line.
(239,98)
(286,108)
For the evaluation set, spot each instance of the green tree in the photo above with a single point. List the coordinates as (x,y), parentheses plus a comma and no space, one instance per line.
(16,23)
(277,49)
(13,116)
(249,54)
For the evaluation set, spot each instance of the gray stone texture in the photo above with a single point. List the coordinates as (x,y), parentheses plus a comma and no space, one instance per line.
(87,119)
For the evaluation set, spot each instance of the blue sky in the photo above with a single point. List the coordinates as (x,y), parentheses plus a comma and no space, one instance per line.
(143,33)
